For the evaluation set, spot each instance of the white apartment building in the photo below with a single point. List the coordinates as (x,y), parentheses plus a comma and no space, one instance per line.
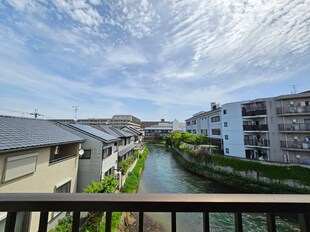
(208,123)
(231,120)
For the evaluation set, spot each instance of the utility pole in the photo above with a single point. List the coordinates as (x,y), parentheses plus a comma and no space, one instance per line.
(36,113)
(294,89)
(75,110)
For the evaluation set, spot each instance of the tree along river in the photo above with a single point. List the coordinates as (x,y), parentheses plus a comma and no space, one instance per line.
(162,174)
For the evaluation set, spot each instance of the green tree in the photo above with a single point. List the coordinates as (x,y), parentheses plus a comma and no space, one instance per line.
(188,138)
(201,139)
(176,138)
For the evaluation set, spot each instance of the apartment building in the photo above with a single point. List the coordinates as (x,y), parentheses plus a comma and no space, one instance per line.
(293,119)
(100,154)
(118,121)
(270,129)
(36,156)
(232,129)
(208,123)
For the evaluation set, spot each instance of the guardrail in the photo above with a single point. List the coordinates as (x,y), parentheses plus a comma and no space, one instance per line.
(173,203)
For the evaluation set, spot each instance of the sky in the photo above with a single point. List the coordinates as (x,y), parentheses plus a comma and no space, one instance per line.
(152,59)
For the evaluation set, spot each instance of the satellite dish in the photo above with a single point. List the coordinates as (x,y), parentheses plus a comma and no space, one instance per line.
(81,152)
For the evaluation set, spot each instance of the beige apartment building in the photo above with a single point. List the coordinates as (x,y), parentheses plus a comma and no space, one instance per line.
(36,156)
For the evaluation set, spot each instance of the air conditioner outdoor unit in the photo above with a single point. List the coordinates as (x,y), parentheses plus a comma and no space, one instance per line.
(291,103)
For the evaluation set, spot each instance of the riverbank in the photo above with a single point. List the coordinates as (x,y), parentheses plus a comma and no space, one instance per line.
(229,175)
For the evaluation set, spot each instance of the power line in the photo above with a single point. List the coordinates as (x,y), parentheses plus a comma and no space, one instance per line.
(35,113)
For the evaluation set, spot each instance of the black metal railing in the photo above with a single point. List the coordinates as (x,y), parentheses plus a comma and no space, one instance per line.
(262,127)
(295,127)
(254,112)
(295,145)
(258,143)
(173,203)
(293,110)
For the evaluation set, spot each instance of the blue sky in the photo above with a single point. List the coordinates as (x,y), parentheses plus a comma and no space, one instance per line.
(153,59)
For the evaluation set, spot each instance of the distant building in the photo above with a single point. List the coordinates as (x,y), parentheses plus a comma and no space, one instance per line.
(118,121)
(36,156)
(162,128)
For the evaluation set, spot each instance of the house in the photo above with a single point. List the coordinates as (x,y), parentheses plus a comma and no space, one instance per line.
(138,134)
(36,156)
(100,154)
(126,144)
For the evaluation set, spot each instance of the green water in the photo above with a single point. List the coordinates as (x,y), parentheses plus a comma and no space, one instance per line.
(162,174)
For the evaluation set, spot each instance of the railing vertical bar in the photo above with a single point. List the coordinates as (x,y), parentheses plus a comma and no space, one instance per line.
(76,221)
(271,222)
(173,222)
(43,221)
(238,222)
(304,222)
(140,221)
(206,222)
(108,219)
(10,222)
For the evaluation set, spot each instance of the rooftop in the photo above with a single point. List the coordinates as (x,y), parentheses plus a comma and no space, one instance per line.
(18,133)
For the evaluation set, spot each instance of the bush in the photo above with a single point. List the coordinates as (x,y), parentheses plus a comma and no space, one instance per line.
(107,185)
(125,165)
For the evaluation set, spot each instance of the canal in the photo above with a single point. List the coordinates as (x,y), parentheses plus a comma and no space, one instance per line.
(162,174)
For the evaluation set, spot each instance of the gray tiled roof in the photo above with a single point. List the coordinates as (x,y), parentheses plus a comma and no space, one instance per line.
(95,132)
(113,131)
(22,133)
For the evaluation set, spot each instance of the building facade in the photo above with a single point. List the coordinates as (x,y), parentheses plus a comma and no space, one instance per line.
(36,156)
(207,123)
(100,154)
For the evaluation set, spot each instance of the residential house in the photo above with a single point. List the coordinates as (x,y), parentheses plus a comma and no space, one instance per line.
(36,156)
(126,144)
(138,133)
(100,154)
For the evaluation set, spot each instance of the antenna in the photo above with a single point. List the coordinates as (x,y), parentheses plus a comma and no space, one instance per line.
(75,110)
(294,87)
(36,113)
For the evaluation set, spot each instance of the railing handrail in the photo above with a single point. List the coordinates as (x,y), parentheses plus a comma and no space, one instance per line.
(12,202)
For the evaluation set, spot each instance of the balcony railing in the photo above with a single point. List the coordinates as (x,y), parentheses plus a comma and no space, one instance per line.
(258,143)
(293,110)
(173,203)
(295,145)
(254,112)
(263,127)
(295,127)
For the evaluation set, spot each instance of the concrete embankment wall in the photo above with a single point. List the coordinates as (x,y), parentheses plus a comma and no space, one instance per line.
(249,181)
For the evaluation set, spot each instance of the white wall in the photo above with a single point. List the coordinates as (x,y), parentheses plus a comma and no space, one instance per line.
(234,129)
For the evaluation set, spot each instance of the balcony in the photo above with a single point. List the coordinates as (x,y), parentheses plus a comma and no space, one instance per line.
(172,203)
(257,143)
(246,113)
(294,110)
(263,127)
(295,145)
(294,127)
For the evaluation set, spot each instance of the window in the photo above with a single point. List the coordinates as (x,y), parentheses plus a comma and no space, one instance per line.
(86,155)
(188,123)
(216,131)
(227,150)
(194,122)
(194,131)
(226,137)
(18,166)
(215,119)
(224,111)
(225,124)
(63,188)
(106,152)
